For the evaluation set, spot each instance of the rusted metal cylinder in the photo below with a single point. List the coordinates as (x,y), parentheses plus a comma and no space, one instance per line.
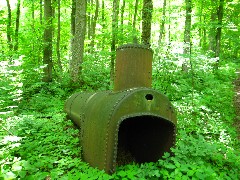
(133,67)
(131,123)
(140,121)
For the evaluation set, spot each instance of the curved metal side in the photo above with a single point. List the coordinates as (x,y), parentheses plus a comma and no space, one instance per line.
(141,121)
(133,67)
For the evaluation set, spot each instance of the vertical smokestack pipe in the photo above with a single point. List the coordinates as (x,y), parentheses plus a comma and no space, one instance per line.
(133,67)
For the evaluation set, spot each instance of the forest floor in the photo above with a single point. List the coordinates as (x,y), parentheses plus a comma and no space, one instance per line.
(237,102)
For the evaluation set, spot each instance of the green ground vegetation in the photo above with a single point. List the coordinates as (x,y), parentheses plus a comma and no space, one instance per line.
(38,142)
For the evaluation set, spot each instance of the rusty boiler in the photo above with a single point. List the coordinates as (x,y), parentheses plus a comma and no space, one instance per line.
(131,123)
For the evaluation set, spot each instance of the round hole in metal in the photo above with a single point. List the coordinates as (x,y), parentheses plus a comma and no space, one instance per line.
(149,97)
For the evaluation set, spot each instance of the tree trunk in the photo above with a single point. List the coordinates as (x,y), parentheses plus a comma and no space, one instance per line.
(219,28)
(89,21)
(103,44)
(187,34)
(103,12)
(9,28)
(78,42)
(146,21)
(17,26)
(33,25)
(94,22)
(135,14)
(59,37)
(41,11)
(204,36)
(212,32)
(114,34)
(200,29)
(187,31)
(47,40)
(162,23)
(122,12)
(169,26)
(73,14)
(121,21)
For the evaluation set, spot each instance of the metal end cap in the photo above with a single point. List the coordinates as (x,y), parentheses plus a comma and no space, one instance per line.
(131,46)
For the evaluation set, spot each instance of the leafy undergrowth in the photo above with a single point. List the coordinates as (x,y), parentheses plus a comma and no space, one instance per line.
(38,142)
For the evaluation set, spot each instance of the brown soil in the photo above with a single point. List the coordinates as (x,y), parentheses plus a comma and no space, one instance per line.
(237,102)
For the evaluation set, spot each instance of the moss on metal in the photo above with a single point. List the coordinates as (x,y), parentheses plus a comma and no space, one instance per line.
(131,123)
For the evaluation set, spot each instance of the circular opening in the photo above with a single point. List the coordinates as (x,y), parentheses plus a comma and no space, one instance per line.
(149,97)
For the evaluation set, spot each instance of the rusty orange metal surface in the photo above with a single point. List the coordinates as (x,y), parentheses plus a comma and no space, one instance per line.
(131,123)
(133,67)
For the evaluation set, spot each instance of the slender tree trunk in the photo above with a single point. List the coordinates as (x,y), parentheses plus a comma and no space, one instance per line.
(122,19)
(78,42)
(187,31)
(47,39)
(187,35)
(33,16)
(103,23)
(204,34)
(212,32)
(135,14)
(94,22)
(41,11)
(54,5)
(146,21)
(17,26)
(114,34)
(59,37)
(9,28)
(103,12)
(169,24)
(40,39)
(89,21)
(162,30)
(219,28)
(122,12)
(200,30)
(33,26)
(36,44)
(73,14)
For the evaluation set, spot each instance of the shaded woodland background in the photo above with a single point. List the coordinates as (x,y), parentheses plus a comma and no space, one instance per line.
(50,49)
(65,38)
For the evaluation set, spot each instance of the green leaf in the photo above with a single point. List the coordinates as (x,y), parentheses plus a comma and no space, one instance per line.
(22,174)
(166,155)
(122,173)
(170,166)
(184,168)
(16,166)
(200,175)
(190,173)
(9,176)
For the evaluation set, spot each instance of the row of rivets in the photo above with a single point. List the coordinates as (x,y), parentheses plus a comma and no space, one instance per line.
(134,46)
(125,93)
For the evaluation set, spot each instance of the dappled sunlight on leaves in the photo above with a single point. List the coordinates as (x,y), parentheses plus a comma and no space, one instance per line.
(38,142)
